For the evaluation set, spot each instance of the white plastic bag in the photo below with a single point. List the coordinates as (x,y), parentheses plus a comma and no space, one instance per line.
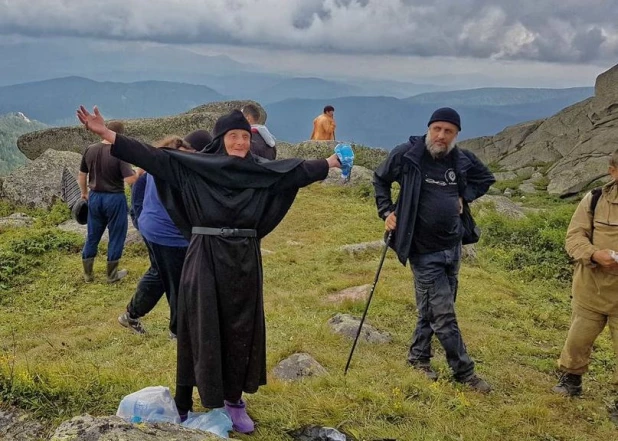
(151,404)
(216,421)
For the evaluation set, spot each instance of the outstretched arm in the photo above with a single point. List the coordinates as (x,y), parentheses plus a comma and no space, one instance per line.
(153,160)
(307,172)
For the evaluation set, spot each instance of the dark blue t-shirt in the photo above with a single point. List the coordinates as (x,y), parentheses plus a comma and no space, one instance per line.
(438,223)
(154,222)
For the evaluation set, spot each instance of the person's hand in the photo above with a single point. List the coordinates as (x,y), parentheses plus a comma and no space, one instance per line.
(390,223)
(333,161)
(85,196)
(95,123)
(604,258)
(460,205)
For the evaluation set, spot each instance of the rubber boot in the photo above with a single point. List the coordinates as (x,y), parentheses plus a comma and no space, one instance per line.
(241,422)
(113,274)
(88,269)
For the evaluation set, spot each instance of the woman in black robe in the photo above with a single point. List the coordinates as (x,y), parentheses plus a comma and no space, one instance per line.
(224,201)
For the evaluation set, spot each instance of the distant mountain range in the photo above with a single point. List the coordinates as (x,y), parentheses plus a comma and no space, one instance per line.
(54,101)
(377,121)
(12,126)
(385,122)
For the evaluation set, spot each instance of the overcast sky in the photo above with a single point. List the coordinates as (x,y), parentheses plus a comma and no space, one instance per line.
(512,40)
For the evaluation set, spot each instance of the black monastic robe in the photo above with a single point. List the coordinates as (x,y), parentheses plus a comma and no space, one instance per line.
(221,329)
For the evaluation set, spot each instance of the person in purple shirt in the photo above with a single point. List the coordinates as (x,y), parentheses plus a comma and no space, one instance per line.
(166,245)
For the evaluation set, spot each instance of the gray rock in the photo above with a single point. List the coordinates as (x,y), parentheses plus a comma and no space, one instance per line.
(359,175)
(575,143)
(16,425)
(527,187)
(536,176)
(297,367)
(39,183)
(317,433)
(605,85)
(501,204)
(508,193)
(17,220)
(505,176)
(359,248)
(346,325)
(525,172)
(353,294)
(113,428)
(133,236)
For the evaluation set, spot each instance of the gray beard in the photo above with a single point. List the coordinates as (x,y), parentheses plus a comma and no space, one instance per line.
(435,151)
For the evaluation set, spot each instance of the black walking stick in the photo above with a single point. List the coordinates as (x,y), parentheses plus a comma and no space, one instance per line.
(373,287)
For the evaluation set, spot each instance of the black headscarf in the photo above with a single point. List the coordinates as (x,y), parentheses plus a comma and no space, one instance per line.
(234,120)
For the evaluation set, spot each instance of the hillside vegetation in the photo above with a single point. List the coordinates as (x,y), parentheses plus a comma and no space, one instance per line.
(12,126)
(62,352)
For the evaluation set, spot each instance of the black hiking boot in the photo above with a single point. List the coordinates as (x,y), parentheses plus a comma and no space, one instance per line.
(569,385)
(425,368)
(476,383)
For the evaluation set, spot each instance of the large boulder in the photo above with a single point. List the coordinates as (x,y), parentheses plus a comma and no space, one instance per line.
(364,156)
(75,139)
(38,184)
(359,175)
(572,147)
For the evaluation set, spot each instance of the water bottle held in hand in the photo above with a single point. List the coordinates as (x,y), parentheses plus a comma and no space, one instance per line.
(346,156)
(614,255)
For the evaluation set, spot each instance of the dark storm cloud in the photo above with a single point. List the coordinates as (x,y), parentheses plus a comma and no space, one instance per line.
(540,30)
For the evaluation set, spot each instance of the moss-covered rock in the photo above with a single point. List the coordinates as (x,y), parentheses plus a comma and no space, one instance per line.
(75,139)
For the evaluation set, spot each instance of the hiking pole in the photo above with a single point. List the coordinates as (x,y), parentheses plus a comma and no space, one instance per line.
(373,287)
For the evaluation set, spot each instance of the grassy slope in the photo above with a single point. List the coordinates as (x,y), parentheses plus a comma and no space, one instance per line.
(62,352)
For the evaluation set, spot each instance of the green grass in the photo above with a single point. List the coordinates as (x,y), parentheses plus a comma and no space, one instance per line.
(62,352)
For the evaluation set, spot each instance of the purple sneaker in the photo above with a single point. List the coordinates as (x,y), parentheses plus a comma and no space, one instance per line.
(241,422)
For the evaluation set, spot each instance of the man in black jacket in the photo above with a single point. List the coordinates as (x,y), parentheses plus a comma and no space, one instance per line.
(436,179)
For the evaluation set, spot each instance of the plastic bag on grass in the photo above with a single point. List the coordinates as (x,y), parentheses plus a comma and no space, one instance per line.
(151,404)
(216,421)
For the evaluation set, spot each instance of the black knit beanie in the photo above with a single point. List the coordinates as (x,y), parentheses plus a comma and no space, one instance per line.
(233,120)
(199,139)
(445,114)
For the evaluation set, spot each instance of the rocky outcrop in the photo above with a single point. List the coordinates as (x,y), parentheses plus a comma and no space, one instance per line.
(39,183)
(17,425)
(571,149)
(75,139)
(363,156)
(359,175)
(113,428)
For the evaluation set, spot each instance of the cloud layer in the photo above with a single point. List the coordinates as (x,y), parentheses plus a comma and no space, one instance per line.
(570,31)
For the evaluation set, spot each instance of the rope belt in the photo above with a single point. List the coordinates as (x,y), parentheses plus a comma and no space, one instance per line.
(224,232)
